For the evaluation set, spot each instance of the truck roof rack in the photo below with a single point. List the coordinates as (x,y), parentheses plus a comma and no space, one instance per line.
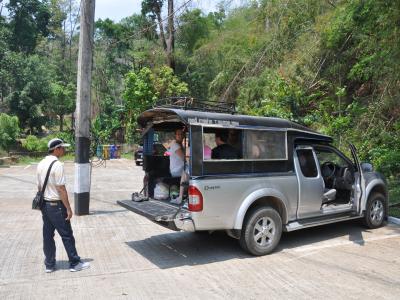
(189,103)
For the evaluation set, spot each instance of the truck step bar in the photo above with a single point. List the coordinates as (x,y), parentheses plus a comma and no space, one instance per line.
(311,222)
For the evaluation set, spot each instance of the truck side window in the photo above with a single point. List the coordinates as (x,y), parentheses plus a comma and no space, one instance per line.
(222,144)
(265,145)
(307,163)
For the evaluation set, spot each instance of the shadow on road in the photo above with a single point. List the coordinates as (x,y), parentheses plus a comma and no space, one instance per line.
(183,248)
(353,229)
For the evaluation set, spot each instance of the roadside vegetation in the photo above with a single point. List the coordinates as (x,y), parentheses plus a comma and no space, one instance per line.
(330,65)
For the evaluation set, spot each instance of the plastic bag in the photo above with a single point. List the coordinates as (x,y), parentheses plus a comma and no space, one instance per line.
(161,191)
(174,191)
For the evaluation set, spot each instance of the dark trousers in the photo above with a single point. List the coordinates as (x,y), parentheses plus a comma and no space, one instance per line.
(54,214)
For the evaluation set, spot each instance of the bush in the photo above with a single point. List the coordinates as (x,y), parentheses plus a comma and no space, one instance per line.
(32,143)
(9,131)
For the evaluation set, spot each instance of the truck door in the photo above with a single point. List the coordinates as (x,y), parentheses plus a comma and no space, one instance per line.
(360,190)
(310,182)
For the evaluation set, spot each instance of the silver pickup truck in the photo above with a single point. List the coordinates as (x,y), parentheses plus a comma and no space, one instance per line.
(286,177)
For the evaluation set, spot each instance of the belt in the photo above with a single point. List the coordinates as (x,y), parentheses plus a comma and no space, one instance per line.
(53,203)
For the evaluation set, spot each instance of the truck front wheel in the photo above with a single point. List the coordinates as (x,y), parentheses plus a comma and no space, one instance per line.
(261,231)
(375,212)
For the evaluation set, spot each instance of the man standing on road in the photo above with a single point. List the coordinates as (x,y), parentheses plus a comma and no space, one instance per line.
(56,210)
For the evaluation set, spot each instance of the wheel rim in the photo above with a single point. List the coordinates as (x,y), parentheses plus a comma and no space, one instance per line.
(264,231)
(376,212)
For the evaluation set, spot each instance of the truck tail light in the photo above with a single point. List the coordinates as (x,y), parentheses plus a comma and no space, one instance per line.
(195,199)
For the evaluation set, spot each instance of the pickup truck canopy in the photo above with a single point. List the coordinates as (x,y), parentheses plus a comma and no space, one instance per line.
(155,116)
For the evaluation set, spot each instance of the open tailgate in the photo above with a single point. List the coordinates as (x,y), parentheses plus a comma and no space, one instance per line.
(157,211)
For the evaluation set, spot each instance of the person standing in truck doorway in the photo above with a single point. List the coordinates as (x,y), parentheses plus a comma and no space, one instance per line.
(56,210)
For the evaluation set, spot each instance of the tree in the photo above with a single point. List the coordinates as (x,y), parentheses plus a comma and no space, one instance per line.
(139,94)
(9,130)
(166,84)
(153,9)
(171,35)
(5,76)
(28,20)
(61,101)
(30,88)
(64,16)
(193,28)
(143,88)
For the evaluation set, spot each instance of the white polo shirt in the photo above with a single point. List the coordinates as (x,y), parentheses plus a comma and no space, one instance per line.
(57,177)
(175,162)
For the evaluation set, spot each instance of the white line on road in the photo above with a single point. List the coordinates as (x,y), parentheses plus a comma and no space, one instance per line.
(27,167)
(174,250)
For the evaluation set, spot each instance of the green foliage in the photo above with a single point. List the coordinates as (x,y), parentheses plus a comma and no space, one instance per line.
(152,7)
(107,122)
(167,84)
(61,100)
(31,86)
(34,144)
(29,20)
(139,95)
(9,130)
(143,88)
(194,27)
(270,95)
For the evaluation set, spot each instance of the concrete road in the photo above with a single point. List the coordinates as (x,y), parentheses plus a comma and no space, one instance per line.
(132,258)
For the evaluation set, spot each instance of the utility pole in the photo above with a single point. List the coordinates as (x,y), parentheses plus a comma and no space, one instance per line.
(83,111)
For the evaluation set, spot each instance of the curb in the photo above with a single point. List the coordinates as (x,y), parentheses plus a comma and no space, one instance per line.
(394,220)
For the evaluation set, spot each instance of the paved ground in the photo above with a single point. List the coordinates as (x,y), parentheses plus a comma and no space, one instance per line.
(132,258)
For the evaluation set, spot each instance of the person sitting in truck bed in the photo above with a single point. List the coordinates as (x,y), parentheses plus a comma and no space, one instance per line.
(223,149)
(177,155)
(177,163)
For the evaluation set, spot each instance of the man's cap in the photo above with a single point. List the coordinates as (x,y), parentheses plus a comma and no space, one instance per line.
(56,143)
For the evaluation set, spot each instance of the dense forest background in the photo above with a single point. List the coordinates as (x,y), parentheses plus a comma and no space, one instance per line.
(332,65)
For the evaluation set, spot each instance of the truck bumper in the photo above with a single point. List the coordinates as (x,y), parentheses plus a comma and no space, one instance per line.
(185,224)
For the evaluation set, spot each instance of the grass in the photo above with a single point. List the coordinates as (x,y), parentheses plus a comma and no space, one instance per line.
(26,160)
(128,155)
(394,198)
(394,212)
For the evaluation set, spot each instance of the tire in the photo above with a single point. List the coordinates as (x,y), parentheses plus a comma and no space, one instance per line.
(261,231)
(137,163)
(375,212)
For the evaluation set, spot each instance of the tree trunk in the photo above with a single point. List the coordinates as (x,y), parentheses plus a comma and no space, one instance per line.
(160,24)
(63,53)
(171,35)
(61,123)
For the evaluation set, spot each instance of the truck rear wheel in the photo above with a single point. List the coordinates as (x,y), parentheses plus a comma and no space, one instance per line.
(375,212)
(261,231)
